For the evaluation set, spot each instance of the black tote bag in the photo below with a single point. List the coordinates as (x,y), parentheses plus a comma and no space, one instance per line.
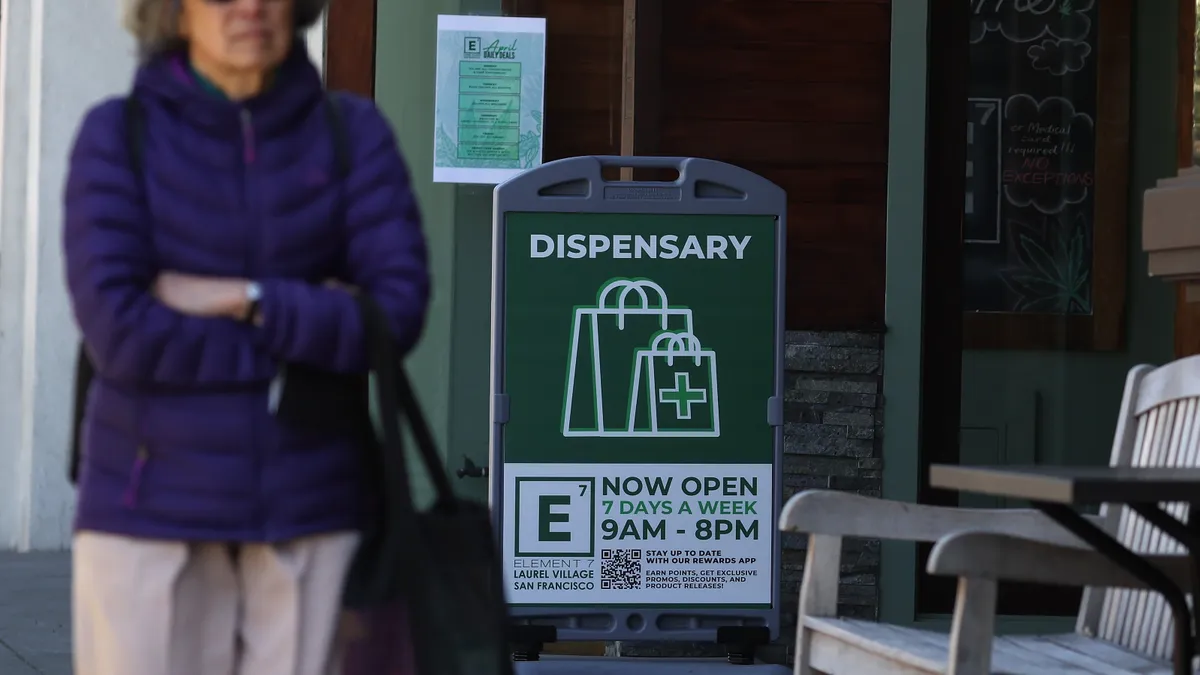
(424,595)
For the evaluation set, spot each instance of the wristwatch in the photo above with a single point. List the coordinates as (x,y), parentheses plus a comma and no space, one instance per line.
(253,298)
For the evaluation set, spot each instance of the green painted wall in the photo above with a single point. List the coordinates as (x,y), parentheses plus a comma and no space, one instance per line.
(470,380)
(450,366)
(1052,407)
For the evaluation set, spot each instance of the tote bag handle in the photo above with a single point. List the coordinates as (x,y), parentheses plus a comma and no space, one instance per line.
(392,396)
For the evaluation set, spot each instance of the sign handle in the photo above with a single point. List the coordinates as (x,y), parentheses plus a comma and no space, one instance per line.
(642,162)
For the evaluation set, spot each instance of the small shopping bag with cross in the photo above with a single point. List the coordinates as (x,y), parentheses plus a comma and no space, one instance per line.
(675,388)
(605,338)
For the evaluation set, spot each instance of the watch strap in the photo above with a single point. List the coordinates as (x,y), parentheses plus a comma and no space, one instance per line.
(254,296)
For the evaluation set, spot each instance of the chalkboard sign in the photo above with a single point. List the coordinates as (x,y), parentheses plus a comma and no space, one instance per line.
(1028,224)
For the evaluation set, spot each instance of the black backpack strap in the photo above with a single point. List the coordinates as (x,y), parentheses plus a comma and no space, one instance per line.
(133,133)
(341,140)
(84,372)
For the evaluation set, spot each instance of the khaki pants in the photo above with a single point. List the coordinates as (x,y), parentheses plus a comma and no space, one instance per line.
(150,607)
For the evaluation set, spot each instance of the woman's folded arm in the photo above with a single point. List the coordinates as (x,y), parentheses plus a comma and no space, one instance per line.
(111,269)
(386,257)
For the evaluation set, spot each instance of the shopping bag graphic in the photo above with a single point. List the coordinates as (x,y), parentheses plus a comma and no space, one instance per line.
(675,388)
(607,339)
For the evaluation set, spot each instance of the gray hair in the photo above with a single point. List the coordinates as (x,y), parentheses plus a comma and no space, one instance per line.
(154,24)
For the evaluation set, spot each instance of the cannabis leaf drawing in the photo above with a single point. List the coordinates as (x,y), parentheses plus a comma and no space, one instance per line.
(446,150)
(531,142)
(1052,266)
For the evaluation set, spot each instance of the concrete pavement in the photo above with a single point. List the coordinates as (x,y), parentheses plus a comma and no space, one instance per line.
(35,630)
(35,613)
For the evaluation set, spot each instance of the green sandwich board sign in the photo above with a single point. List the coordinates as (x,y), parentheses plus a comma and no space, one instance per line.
(637,397)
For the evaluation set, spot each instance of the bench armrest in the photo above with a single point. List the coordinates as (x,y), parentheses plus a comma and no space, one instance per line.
(999,557)
(844,514)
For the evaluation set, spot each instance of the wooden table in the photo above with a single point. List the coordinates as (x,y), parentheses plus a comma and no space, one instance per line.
(1055,490)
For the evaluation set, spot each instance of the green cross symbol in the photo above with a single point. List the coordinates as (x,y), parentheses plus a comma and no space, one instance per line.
(683,396)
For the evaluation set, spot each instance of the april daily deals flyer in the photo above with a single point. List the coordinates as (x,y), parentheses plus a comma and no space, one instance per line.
(488,97)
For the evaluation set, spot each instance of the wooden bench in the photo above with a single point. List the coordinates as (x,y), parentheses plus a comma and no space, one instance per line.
(1120,628)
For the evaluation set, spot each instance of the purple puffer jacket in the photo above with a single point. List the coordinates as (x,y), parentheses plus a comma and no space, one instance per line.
(178,442)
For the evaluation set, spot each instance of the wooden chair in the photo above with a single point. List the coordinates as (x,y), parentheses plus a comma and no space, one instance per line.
(1120,628)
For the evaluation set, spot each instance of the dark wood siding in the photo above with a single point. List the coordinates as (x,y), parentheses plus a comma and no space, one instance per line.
(797,91)
(350,46)
(583,75)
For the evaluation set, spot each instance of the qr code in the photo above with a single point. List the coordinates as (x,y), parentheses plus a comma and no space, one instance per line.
(620,569)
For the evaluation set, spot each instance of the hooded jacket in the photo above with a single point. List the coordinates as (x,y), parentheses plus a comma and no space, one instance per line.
(178,441)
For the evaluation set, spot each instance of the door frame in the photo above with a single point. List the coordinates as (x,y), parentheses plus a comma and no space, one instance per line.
(904,305)
(923,312)
(942,319)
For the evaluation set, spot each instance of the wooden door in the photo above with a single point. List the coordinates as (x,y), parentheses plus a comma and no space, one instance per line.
(976,47)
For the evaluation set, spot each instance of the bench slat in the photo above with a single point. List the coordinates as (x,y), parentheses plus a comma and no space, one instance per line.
(866,647)
(1168,435)
(1158,426)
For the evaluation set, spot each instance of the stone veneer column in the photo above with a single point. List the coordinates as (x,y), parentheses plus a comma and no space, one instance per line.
(833,414)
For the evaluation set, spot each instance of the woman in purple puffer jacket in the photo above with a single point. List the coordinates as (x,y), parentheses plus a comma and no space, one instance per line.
(211,537)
